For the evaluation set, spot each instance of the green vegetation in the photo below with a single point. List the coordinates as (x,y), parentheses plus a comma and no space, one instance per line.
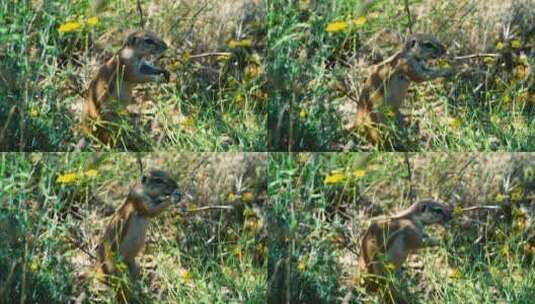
(322,204)
(54,207)
(319,52)
(50,50)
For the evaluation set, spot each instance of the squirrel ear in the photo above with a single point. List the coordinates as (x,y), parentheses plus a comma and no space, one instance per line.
(131,39)
(423,207)
(409,44)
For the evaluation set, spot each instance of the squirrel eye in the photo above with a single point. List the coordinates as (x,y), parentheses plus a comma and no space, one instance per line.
(149,41)
(429,45)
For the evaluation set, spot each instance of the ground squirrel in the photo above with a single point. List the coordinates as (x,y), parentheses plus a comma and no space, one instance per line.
(385,89)
(388,241)
(125,235)
(112,86)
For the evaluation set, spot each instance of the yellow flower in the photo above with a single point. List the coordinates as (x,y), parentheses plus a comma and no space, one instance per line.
(261,249)
(500,197)
(232,43)
(122,112)
(67,178)
(360,21)
(506,100)
(92,21)
(251,224)
(252,71)
(185,276)
(34,266)
(521,72)
(454,123)
(231,197)
(247,197)
(186,56)
(301,266)
(495,119)
(237,252)
(121,266)
(359,173)
(91,173)
(520,225)
(302,114)
(175,65)
(517,194)
(97,276)
(457,211)
(443,63)
(389,112)
(516,44)
(336,26)
(34,112)
(505,251)
(456,274)
(69,27)
(187,122)
(244,43)
(239,99)
(499,46)
(390,266)
(334,178)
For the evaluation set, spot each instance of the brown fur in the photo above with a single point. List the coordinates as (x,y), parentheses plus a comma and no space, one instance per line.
(111,88)
(388,241)
(125,234)
(389,81)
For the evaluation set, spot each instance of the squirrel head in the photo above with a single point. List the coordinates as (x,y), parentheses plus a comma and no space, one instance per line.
(430,212)
(424,47)
(144,43)
(160,185)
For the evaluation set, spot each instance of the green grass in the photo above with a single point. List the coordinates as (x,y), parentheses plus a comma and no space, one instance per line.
(486,106)
(482,257)
(211,103)
(213,256)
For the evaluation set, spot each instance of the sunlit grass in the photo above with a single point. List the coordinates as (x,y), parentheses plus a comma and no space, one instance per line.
(319,53)
(55,206)
(213,103)
(331,197)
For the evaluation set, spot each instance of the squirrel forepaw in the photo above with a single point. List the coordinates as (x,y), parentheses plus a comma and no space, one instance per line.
(166,75)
